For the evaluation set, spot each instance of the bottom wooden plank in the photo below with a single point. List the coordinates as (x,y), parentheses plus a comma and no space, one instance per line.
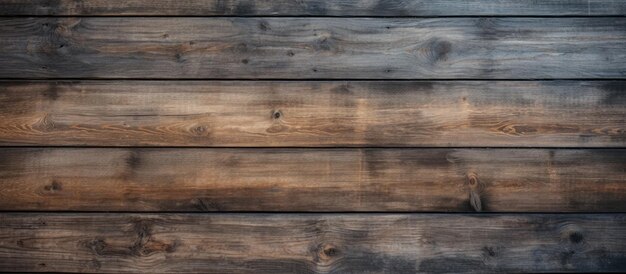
(312,243)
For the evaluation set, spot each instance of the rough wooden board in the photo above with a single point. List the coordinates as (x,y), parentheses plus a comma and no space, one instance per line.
(315,7)
(495,180)
(286,243)
(313,48)
(342,113)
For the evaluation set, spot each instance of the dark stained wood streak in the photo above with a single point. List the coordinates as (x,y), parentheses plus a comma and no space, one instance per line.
(460,180)
(320,113)
(314,7)
(312,243)
(313,48)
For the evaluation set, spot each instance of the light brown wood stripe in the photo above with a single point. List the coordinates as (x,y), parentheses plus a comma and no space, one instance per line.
(314,7)
(496,180)
(313,48)
(206,113)
(342,243)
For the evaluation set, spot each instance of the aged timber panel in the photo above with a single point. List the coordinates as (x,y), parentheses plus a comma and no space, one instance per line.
(345,113)
(313,48)
(500,180)
(311,243)
(372,8)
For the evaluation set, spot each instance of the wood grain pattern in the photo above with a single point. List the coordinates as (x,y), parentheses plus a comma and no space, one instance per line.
(353,243)
(313,48)
(158,136)
(345,113)
(496,180)
(314,7)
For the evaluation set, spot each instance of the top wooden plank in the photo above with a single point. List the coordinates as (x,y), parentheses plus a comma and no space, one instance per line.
(313,48)
(372,8)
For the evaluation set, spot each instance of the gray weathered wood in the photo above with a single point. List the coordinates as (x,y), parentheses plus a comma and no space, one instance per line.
(345,113)
(313,48)
(496,180)
(315,7)
(312,243)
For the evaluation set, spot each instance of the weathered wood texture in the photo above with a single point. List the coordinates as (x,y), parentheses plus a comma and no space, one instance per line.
(97,73)
(496,180)
(350,243)
(313,48)
(314,7)
(346,113)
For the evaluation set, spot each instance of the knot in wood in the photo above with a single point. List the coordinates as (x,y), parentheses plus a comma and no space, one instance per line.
(475,189)
(572,233)
(328,252)
(472,180)
(277,114)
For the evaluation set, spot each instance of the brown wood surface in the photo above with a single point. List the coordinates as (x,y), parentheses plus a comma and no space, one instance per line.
(312,243)
(312,48)
(495,180)
(341,113)
(312,136)
(314,7)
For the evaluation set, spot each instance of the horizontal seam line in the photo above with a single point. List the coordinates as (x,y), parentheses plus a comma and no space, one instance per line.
(316,16)
(317,212)
(314,79)
(306,147)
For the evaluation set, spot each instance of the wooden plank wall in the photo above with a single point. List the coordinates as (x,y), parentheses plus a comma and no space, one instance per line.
(312,136)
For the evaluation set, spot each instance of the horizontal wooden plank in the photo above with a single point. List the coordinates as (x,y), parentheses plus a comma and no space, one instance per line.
(312,243)
(314,7)
(496,180)
(319,113)
(313,48)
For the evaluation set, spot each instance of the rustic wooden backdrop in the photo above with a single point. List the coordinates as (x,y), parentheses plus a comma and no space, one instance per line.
(312,136)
